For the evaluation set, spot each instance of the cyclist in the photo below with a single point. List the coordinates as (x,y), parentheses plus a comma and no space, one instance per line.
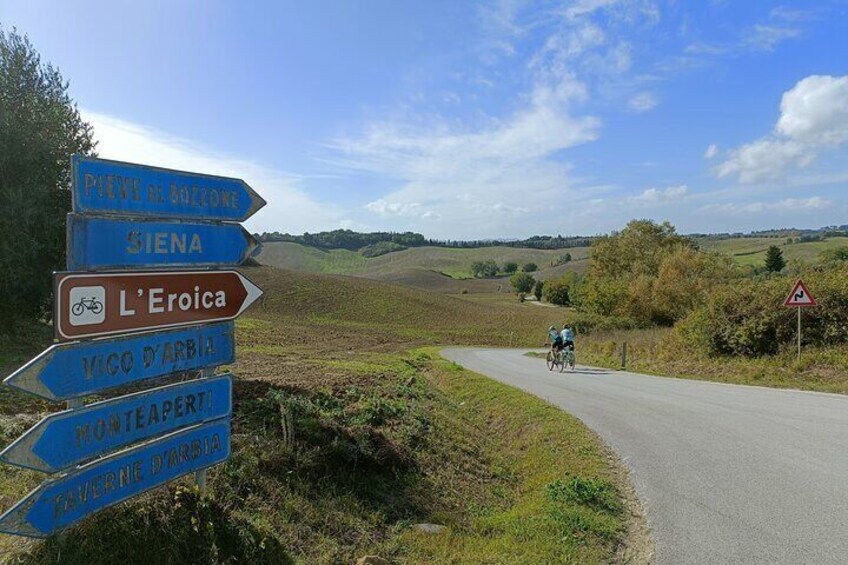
(567,336)
(555,338)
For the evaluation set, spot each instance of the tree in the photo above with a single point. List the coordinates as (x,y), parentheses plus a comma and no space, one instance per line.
(484,268)
(510,267)
(40,127)
(522,282)
(538,290)
(530,267)
(558,291)
(565,258)
(774,259)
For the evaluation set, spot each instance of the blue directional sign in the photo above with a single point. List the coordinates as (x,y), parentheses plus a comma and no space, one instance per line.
(110,243)
(64,439)
(75,369)
(125,189)
(69,498)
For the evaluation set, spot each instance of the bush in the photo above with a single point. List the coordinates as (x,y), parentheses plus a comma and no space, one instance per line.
(522,282)
(747,317)
(557,291)
(510,267)
(484,268)
(538,290)
(530,267)
(381,248)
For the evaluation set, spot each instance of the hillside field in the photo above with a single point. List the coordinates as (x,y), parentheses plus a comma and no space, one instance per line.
(752,251)
(348,429)
(455,263)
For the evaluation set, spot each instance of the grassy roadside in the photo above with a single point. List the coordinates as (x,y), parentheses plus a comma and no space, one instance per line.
(346,435)
(657,352)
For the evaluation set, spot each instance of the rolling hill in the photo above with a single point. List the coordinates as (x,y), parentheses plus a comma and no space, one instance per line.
(410,266)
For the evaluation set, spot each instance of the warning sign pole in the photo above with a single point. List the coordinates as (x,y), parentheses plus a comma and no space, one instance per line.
(799,297)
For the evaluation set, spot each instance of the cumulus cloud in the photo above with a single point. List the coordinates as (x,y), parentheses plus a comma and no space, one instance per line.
(813,118)
(289,208)
(643,102)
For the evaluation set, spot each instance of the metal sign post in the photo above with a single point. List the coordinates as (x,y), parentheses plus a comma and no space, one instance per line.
(800,297)
(124,328)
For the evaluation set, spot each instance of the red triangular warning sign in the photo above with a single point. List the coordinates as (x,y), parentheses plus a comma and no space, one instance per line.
(800,296)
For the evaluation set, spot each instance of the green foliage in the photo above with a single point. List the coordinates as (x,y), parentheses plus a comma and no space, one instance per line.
(381,248)
(557,291)
(539,289)
(594,493)
(774,259)
(530,267)
(834,255)
(565,258)
(40,128)
(747,317)
(522,282)
(510,267)
(484,269)
(636,250)
(650,274)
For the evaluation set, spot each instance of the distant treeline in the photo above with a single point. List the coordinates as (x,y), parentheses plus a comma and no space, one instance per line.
(801,234)
(354,241)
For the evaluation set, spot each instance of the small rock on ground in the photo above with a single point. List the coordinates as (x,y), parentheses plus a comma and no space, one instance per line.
(429,528)
(372,560)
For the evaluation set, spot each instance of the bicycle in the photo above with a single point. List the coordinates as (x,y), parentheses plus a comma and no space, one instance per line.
(91,304)
(555,360)
(568,358)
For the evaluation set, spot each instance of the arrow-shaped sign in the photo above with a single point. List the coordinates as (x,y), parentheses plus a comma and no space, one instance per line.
(71,370)
(126,189)
(67,438)
(60,502)
(110,243)
(93,304)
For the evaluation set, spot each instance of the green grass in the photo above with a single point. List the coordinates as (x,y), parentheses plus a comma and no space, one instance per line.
(385,435)
(752,251)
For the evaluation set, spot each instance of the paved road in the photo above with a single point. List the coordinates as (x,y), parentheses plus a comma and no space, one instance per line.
(728,474)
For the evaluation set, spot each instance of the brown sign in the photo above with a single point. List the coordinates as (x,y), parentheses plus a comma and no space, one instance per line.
(93,305)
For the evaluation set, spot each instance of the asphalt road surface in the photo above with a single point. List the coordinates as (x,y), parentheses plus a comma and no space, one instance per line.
(727,474)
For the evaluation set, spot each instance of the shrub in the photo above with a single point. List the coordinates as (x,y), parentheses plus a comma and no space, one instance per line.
(747,317)
(510,267)
(530,267)
(522,282)
(538,290)
(381,248)
(484,268)
(556,291)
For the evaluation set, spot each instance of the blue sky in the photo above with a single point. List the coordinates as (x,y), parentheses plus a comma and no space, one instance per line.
(474,119)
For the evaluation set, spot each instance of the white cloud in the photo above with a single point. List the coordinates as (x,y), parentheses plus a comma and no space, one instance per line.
(658,195)
(711,151)
(288,208)
(485,178)
(643,102)
(815,111)
(811,204)
(813,117)
(767,37)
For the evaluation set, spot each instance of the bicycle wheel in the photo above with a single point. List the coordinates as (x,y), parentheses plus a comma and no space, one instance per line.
(76,309)
(571,360)
(550,361)
(562,361)
(96,307)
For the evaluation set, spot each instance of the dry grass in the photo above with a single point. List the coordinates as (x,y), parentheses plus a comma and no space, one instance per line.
(384,438)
